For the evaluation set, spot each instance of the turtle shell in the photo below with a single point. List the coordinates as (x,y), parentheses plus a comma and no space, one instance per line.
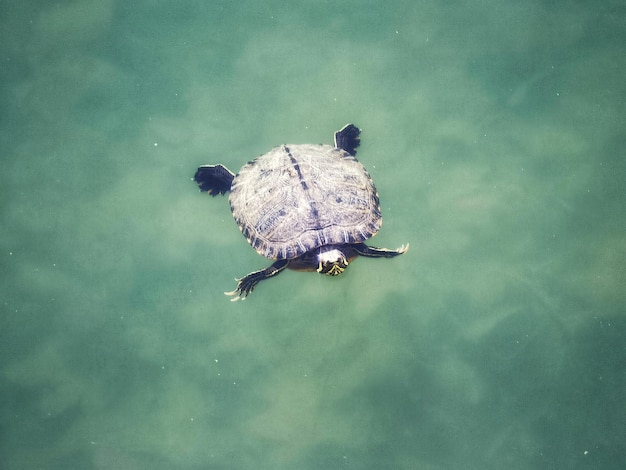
(296,198)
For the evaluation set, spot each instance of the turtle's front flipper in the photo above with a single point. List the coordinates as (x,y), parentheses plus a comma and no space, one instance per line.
(214,179)
(372,252)
(347,138)
(246,284)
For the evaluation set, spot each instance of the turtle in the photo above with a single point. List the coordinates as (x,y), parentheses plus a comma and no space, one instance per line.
(308,207)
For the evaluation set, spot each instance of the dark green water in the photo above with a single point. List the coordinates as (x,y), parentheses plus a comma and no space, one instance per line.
(496,134)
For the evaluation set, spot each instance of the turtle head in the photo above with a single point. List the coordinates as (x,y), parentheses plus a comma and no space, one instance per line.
(331,262)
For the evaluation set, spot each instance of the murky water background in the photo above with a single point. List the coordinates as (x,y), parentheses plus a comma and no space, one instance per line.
(496,135)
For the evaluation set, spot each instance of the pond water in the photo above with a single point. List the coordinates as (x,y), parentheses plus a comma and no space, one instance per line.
(496,135)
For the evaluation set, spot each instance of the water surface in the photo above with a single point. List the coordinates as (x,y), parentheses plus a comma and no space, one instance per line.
(495,133)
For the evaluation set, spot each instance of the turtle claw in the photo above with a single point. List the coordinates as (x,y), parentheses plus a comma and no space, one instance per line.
(403,249)
(237,294)
(244,286)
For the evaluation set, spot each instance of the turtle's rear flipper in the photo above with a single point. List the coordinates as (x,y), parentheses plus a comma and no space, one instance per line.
(347,138)
(214,179)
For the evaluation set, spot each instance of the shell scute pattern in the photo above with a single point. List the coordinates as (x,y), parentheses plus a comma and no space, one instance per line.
(298,197)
